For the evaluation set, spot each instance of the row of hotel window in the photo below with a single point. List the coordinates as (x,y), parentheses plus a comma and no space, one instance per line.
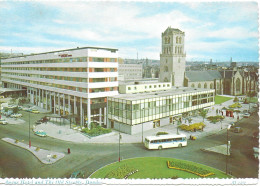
(123,104)
(78,89)
(150,86)
(63,69)
(63,60)
(136,114)
(152,104)
(66,78)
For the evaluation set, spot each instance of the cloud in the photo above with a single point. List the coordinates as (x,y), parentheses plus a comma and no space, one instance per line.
(28,50)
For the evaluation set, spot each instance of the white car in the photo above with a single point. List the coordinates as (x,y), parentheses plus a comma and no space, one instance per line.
(3,122)
(16,115)
(40,133)
(246,115)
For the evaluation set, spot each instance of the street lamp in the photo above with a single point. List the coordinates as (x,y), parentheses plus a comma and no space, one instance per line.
(119,137)
(142,125)
(228,152)
(29,131)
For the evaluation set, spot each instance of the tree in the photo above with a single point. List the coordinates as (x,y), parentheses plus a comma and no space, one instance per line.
(203,114)
(235,99)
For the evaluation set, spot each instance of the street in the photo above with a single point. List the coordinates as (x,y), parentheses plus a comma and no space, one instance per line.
(17,162)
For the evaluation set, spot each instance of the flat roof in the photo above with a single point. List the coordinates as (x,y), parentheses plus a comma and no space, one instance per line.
(140,82)
(78,48)
(162,93)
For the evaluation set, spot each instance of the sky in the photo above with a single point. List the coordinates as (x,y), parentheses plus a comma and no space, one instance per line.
(217,30)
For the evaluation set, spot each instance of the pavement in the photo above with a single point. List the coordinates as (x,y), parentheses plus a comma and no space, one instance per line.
(13,121)
(45,156)
(64,132)
(221,149)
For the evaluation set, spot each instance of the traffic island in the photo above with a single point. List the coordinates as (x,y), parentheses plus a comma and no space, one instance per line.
(157,168)
(221,149)
(45,156)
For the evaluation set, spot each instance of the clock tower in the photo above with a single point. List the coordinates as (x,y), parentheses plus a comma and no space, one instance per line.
(172,57)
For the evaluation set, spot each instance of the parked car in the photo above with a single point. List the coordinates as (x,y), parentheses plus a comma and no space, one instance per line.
(35,111)
(28,110)
(16,115)
(40,133)
(255,106)
(3,122)
(38,122)
(246,115)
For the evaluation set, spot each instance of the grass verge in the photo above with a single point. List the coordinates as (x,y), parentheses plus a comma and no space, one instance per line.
(221,99)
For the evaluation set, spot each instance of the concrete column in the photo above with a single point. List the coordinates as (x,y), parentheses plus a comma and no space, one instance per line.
(50,101)
(42,104)
(105,116)
(27,91)
(75,106)
(39,101)
(59,104)
(89,113)
(63,105)
(36,97)
(100,113)
(81,120)
(54,106)
(46,101)
(69,104)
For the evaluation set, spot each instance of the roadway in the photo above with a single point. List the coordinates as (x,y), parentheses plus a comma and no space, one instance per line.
(17,162)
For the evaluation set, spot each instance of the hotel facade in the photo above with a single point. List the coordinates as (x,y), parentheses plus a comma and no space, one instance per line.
(66,82)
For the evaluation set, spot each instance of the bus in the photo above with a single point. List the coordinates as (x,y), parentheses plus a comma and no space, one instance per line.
(165,141)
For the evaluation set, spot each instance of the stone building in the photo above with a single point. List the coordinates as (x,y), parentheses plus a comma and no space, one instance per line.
(172,57)
(211,79)
(229,82)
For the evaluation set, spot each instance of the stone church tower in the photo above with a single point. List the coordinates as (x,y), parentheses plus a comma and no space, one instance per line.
(172,57)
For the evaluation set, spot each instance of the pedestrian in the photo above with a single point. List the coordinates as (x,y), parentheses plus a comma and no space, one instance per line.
(233,116)
(68,150)
(237,117)
(222,113)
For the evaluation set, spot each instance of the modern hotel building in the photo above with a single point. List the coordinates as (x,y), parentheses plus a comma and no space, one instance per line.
(74,81)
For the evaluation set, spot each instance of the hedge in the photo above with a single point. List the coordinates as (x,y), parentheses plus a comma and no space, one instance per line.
(193,127)
(120,172)
(161,133)
(96,131)
(235,105)
(179,165)
(215,119)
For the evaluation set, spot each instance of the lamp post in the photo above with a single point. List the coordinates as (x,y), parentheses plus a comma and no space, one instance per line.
(228,144)
(29,131)
(142,125)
